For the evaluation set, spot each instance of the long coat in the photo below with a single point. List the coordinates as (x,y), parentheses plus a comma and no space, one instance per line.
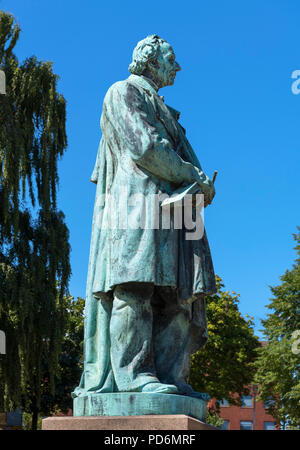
(143,150)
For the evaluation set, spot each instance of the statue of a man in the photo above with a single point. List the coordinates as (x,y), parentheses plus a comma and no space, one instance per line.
(145,307)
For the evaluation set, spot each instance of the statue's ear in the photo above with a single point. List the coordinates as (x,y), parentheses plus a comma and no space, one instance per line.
(153,64)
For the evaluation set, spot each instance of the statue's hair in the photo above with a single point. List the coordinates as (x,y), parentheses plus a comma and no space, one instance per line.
(145,51)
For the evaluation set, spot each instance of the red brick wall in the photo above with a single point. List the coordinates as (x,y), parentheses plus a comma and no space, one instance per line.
(235,414)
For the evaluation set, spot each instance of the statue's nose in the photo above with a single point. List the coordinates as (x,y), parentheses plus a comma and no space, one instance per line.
(177,67)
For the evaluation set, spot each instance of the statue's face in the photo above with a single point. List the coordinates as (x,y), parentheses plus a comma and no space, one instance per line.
(166,65)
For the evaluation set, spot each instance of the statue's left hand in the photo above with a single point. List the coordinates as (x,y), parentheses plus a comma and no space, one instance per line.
(209,198)
(207,187)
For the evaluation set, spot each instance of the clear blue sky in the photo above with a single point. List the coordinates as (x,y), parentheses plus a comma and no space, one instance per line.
(237,106)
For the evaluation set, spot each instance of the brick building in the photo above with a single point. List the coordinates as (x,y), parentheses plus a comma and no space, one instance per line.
(251,416)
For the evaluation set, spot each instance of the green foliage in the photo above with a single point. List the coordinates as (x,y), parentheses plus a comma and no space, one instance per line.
(70,363)
(27,422)
(278,367)
(223,366)
(34,248)
(212,418)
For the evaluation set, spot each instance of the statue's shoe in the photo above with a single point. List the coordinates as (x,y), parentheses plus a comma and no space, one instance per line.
(186,389)
(159,388)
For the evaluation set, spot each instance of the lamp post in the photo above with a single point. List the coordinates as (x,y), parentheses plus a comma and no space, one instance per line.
(254,390)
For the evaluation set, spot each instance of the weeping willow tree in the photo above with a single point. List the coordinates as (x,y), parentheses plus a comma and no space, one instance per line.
(34,248)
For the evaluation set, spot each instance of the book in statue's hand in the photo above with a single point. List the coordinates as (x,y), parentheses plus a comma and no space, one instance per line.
(180,194)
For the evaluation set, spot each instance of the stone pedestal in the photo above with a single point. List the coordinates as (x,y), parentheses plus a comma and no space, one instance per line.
(133,411)
(139,404)
(149,422)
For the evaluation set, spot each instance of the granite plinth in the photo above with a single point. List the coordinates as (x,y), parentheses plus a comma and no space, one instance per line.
(139,404)
(149,422)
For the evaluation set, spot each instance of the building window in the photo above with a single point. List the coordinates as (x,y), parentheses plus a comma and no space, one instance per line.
(225,425)
(247,401)
(246,425)
(224,403)
(269,402)
(269,426)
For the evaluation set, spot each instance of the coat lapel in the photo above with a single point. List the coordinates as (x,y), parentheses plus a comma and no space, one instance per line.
(169,119)
(166,115)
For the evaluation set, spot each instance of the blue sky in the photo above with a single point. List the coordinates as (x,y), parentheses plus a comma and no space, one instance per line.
(234,92)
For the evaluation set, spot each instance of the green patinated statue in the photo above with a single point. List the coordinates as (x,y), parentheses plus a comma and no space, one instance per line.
(145,307)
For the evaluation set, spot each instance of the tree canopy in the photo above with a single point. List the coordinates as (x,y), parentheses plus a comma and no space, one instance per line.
(70,361)
(278,363)
(34,247)
(223,367)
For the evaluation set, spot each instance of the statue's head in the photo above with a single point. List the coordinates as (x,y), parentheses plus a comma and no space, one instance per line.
(155,58)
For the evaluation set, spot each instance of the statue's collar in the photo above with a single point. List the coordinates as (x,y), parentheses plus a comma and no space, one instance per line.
(151,87)
(144,82)
(151,82)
